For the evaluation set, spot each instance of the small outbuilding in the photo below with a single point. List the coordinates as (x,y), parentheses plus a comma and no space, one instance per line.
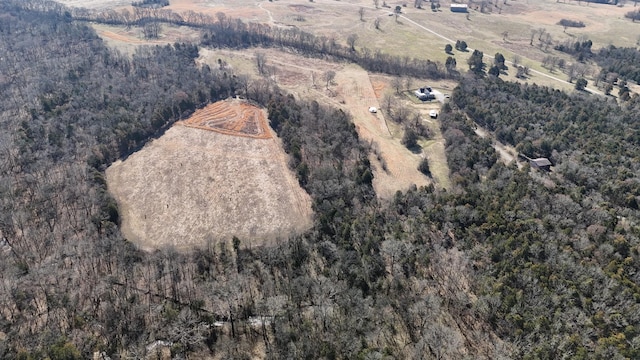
(461,8)
(541,164)
(424,93)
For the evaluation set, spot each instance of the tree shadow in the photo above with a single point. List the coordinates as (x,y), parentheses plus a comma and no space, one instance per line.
(416,149)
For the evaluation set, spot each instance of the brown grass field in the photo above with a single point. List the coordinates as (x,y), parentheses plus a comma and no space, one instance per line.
(192,187)
(422,33)
(127,40)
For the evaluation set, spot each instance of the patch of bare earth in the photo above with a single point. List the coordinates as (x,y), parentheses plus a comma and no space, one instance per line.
(433,150)
(358,94)
(191,186)
(232,117)
(352,91)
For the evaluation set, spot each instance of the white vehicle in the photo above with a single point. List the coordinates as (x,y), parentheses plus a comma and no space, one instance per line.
(373,110)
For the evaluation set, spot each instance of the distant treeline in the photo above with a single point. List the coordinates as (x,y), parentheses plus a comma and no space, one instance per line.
(151,3)
(237,34)
(571,23)
(623,62)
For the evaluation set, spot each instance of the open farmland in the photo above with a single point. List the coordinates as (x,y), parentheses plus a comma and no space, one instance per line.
(422,33)
(512,29)
(192,183)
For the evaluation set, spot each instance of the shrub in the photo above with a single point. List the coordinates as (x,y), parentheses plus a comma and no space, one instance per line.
(448,48)
(424,167)
(410,138)
(633,15)
(581,84)
(571,23)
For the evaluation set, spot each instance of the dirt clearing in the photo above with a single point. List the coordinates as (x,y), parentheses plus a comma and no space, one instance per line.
(191,187)
(231,117)
(401,164)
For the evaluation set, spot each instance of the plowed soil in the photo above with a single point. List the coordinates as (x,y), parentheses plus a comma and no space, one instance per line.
(231,117)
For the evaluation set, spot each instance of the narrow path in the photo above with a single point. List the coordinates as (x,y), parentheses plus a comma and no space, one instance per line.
(507,153)
(271,20)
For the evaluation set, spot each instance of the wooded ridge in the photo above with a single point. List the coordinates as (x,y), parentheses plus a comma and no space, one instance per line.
(508,263)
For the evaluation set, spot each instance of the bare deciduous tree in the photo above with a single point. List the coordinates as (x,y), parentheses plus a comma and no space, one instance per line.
(408,82)
(516,60)
(533,35)
(351,41)
(328,76)
(261,62)
(187,330)
(151,30)
(396,84)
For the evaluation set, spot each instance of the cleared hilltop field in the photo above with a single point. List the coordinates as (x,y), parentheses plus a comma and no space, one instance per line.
(197,180)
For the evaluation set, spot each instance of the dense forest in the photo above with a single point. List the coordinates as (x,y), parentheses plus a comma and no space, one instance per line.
(508,263)
(622,61)
(559,249)
(72,286)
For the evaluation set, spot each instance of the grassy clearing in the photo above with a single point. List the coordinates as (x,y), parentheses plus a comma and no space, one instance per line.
(190,183)
(128,40)
(402,39)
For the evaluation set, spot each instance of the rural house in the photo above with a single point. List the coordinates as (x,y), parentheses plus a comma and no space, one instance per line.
(424,94)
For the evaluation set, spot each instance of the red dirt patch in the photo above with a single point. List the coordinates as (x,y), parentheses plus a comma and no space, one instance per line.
(231,117)
(378,88)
